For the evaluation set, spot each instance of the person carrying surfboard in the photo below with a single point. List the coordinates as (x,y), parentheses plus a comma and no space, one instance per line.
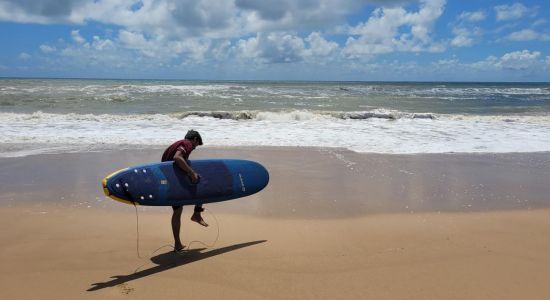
(179,152)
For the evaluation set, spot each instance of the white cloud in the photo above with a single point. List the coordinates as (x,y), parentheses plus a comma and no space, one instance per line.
(517,61)
(199,29)
(464,30)
(523,35)
(24,56)
(539,22)
(221,50)
(452,62)
(135,40)
(101,55)
(134,50)
(320,47)
(190,18)
(272,48)
(395,29)
(547,65)
(461,40)
(102,44)
(281,47)
(465,37)
(473,16)
(169,19)
(527,35)
(249,34)
(75,35)
(47,49)
(213,19)
(192,49)
(511,12)
(297,15)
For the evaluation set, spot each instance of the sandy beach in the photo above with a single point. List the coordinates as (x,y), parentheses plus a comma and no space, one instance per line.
(332,224)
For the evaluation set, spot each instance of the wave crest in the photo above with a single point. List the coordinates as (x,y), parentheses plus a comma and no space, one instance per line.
(302,115)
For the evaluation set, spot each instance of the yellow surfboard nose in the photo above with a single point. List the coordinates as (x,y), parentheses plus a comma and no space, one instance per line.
(106,190)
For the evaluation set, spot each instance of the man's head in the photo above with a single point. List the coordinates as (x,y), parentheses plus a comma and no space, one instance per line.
(194,137)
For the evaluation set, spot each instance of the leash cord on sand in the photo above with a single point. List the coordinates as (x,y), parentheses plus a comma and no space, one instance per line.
(181,252)
(137,231)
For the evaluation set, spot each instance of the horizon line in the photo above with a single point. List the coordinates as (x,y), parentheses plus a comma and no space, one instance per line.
(269,80)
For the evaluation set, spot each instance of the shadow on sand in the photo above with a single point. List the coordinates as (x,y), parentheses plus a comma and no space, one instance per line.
(169,260)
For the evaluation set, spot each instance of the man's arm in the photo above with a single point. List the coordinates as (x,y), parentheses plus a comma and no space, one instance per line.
(180,161)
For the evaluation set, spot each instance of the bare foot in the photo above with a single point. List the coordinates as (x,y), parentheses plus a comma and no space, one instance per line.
(196,217)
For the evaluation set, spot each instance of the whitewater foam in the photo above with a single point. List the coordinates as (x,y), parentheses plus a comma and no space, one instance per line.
(297,128)
(71,115)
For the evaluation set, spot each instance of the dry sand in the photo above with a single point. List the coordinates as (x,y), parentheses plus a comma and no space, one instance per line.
(331,224)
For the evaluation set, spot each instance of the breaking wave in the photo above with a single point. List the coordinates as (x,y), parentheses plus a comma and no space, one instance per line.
(299,115)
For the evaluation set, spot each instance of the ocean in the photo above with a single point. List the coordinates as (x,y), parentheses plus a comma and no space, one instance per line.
(68,115)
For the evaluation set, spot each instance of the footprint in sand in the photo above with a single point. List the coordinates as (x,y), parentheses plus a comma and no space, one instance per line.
(125,288)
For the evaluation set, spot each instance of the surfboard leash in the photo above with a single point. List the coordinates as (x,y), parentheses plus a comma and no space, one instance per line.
(181,252)
(137,231)
(203,243)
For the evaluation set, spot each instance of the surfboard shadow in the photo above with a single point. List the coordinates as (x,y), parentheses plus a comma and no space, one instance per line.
(170,260)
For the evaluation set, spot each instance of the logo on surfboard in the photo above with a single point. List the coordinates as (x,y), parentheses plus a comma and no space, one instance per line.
(243,188)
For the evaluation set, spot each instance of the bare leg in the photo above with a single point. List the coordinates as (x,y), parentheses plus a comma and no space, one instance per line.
(176,224)
(196,217)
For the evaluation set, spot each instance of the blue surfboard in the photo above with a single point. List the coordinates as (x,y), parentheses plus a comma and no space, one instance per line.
(165,184)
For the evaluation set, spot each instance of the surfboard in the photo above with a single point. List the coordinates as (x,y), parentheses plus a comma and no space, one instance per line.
(165,184)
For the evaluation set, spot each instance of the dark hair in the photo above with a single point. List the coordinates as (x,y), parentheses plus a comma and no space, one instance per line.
(192,134)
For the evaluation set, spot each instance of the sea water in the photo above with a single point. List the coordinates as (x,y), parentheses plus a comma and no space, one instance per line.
(57,115)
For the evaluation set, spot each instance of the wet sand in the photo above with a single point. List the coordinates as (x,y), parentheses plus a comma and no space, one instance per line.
(331,224)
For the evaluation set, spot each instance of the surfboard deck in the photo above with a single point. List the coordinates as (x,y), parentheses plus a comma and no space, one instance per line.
(165,184)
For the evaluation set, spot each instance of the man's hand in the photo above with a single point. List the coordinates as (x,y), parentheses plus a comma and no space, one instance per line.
(194,177)
(182,163)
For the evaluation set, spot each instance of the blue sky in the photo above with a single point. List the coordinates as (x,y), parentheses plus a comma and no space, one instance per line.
(427,40)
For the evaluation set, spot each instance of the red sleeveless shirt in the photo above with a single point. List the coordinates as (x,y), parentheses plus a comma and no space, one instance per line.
(185,146)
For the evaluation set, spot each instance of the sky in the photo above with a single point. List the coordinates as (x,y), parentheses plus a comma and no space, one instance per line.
(341,40)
